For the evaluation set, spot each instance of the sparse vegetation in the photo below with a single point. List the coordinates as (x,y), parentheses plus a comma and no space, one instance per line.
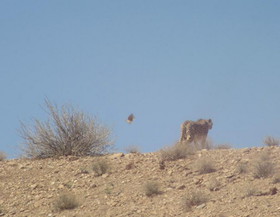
(204,165)
(214,184)
(66,201)
(276,179)
(3,156)
(100,167)
(242,167)
(152,188)
(271,141)
(130,166)
(194,198)
(262,166)
(175,152)
(132,149)
(2,211)
(66,132)
(223,146)
(249,191)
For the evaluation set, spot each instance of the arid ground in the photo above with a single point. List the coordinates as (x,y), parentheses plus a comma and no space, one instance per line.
(216,183)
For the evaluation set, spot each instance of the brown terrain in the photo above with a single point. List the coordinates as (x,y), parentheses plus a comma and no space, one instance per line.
(231,187)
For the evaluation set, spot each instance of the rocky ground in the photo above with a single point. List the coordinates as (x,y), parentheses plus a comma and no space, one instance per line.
(230,188)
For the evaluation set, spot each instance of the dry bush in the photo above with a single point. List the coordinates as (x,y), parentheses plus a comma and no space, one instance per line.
(214,184)
(194,198)
(100,167)
(263,167)
(175,152)
(3,156)
(276,179)
(152,188)
(222,146)
(66,132)
(132,149)
(204,165)
(66,201)
(250,190)
(242,167)
(271,141)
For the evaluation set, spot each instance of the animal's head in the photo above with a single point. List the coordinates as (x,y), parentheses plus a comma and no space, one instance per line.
(210,124)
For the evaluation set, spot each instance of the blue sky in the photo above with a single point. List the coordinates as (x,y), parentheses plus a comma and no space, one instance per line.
(164,61)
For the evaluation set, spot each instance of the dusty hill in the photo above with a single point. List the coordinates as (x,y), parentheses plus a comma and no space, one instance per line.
(231,187)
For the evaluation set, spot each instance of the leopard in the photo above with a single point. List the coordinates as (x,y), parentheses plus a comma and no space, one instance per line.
(195,131)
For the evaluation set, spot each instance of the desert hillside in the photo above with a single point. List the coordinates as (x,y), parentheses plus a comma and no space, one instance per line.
(216,183)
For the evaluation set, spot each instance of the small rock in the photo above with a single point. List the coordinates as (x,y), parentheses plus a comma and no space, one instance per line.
(181,187)
(201,206)
(105,175)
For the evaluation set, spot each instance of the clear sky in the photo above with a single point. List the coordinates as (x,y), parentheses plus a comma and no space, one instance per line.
(164,61)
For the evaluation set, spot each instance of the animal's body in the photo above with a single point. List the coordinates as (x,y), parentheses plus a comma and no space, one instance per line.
(195,131)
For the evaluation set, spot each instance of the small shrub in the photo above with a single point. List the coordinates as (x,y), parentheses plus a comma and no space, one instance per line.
(271,141)
(66,132)
(204,165)
(2,211)
(100,167)
(178,151)
(3,156)
(194,198)
(242,168)
(214,184)
(250,191)
(152,188)
(276,179)
(223,146)
(132,149)
(263,167)
(66,201)
(130,166)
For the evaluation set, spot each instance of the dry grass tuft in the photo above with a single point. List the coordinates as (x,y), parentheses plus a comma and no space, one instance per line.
(263,167)
(175,152)
(3,156)
(66,201)
(271,141)
(194,198)
(204,165)
(214,184)
(242,168)
(100,167)
(133,149)
(66,132)
(152,188)
(223,146)
(276,179)
(250,191)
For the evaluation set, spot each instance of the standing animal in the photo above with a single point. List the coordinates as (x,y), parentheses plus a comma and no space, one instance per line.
(195,131)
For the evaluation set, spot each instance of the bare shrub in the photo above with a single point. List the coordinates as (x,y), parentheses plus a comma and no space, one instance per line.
(152,188)
(263,167)
(66,132)
(223,146)
(271,141)
(204,165)
(3,156)
(132,149)
(194,198)
(66,201)
(100,167)
(276,179)
(242,167)
(214,184)
(250,190)
(175,152)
